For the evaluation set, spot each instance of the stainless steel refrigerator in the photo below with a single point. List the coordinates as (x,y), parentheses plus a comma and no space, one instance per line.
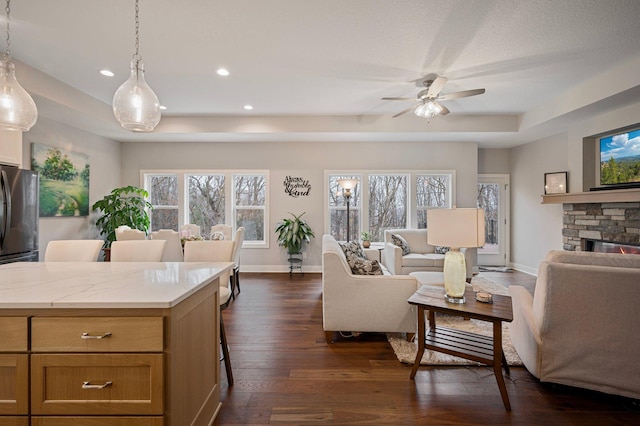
(18,215)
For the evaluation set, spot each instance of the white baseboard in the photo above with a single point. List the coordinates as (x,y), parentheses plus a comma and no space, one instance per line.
(526,269)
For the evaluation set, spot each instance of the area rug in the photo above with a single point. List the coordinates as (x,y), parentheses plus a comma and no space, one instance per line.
(406,351)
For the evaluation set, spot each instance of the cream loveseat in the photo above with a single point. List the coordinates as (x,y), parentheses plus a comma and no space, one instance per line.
(580,328)
(422,256)
(363,303)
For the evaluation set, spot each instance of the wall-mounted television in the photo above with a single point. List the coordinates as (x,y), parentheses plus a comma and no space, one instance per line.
(620,160)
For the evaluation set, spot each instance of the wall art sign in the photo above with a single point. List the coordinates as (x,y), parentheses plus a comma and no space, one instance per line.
(296,186)
(64,181)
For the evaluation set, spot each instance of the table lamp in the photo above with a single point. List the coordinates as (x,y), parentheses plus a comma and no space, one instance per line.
(455,228)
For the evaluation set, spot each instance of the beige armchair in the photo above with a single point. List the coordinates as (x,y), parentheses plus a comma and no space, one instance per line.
(580,328)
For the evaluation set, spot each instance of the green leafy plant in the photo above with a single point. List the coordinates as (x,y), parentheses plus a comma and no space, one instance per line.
(293,233)
(123,206)
(365,235)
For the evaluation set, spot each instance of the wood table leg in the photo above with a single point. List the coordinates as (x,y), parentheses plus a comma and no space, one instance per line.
(421,338)
(497,363)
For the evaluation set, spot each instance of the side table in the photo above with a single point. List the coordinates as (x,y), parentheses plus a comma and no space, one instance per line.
(475,347)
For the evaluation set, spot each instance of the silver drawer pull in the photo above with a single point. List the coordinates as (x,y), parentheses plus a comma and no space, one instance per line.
(88,385)
(88,336)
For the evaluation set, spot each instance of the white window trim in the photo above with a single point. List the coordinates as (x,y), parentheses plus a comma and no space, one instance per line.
(363,175)
(229,207)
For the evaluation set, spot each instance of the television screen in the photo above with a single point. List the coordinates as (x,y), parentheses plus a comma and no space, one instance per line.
(620,158)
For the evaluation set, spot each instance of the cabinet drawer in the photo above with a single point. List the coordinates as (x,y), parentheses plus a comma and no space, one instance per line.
(14,421)
(13,334)
(14,384)
(77,384)
(96,421)
(96,334)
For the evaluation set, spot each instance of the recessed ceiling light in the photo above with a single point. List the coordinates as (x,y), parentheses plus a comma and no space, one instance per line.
(248,107)
(107,73)
(162,107)
(222,72)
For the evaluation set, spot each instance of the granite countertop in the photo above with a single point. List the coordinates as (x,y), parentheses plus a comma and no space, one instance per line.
(38,285)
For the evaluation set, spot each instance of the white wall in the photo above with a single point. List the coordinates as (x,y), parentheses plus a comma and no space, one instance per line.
(494,161)
(307,160)
(535,228)
(104,159)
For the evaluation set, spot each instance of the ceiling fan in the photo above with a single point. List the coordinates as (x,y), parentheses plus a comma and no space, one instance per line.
(428,107)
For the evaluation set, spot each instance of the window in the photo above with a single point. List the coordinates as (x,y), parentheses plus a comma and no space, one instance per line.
(207,198)
(386,200)
(432,191)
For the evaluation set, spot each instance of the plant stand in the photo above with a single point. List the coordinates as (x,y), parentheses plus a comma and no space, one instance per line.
(295,262)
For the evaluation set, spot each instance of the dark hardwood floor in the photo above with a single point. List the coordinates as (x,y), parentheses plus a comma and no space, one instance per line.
(286,373)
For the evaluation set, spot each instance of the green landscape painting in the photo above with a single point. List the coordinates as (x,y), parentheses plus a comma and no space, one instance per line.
(64,181)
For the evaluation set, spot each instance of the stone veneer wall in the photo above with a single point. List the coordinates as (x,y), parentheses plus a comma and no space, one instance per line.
(615,222)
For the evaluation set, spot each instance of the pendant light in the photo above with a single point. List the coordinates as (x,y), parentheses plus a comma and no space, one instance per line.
(135,106)
(18,112)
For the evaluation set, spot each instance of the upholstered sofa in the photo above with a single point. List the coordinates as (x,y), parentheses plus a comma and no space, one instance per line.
(422,255)
(580,327)
(363,303)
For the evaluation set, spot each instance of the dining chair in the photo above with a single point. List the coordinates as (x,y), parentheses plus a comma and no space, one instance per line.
(226,230)
(73,250)
(191,229)
(124,233)
(237,246)
(137,251)
(173,249)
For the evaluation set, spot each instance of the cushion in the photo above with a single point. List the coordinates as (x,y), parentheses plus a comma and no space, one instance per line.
(402,243)
(441,249)
(217,235)
(361,266)
(353,248)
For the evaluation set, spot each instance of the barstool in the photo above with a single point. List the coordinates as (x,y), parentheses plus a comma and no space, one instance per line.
(225,295)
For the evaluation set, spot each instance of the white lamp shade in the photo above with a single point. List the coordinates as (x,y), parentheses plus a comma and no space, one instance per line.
(135,106)
(347,184)
(17,109)
(455,228)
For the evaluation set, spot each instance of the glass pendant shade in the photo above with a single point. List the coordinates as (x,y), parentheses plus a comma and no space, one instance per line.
(135,106)
(428,110)
(18,111)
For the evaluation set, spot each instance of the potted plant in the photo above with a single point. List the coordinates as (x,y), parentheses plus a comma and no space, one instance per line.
(123,206)
(366,239)
(293,233)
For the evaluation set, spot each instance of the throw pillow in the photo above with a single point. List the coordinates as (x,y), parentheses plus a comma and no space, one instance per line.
(402,243)
(353,248)
(441,250)
(361,266)
(217,235)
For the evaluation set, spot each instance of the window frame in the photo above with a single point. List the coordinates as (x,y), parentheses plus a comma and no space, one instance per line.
(230,206)
(363,208)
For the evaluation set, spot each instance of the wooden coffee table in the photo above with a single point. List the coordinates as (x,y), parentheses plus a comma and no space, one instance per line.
(475,347)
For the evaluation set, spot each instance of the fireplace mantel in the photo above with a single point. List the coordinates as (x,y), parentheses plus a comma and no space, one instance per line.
(606,196)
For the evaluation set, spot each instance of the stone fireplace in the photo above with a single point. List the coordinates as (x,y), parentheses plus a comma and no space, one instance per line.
(586,226)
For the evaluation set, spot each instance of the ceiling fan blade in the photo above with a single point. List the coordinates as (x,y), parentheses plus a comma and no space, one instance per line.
(444,111)
(436,86)
(463,94)
(411,108)
(400,99)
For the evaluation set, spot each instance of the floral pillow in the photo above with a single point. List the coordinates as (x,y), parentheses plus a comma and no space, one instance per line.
(361,266)
(353,248)
(441,250)
(217,235)
(402,243)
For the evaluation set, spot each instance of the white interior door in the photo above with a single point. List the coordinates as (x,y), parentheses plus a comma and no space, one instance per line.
(493,197)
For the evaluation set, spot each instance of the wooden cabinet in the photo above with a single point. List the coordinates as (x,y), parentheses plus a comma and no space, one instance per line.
(14,371)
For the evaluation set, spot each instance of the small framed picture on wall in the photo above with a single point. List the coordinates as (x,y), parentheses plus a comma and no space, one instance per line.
(555,183)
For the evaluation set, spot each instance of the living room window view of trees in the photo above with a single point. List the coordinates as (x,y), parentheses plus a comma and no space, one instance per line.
(201,199)
(386,201)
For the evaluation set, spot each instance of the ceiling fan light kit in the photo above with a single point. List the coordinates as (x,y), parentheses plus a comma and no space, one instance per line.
(18,111)
(135,105)
(427,106)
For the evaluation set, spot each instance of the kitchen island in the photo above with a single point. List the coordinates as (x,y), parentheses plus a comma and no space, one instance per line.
(107,343)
